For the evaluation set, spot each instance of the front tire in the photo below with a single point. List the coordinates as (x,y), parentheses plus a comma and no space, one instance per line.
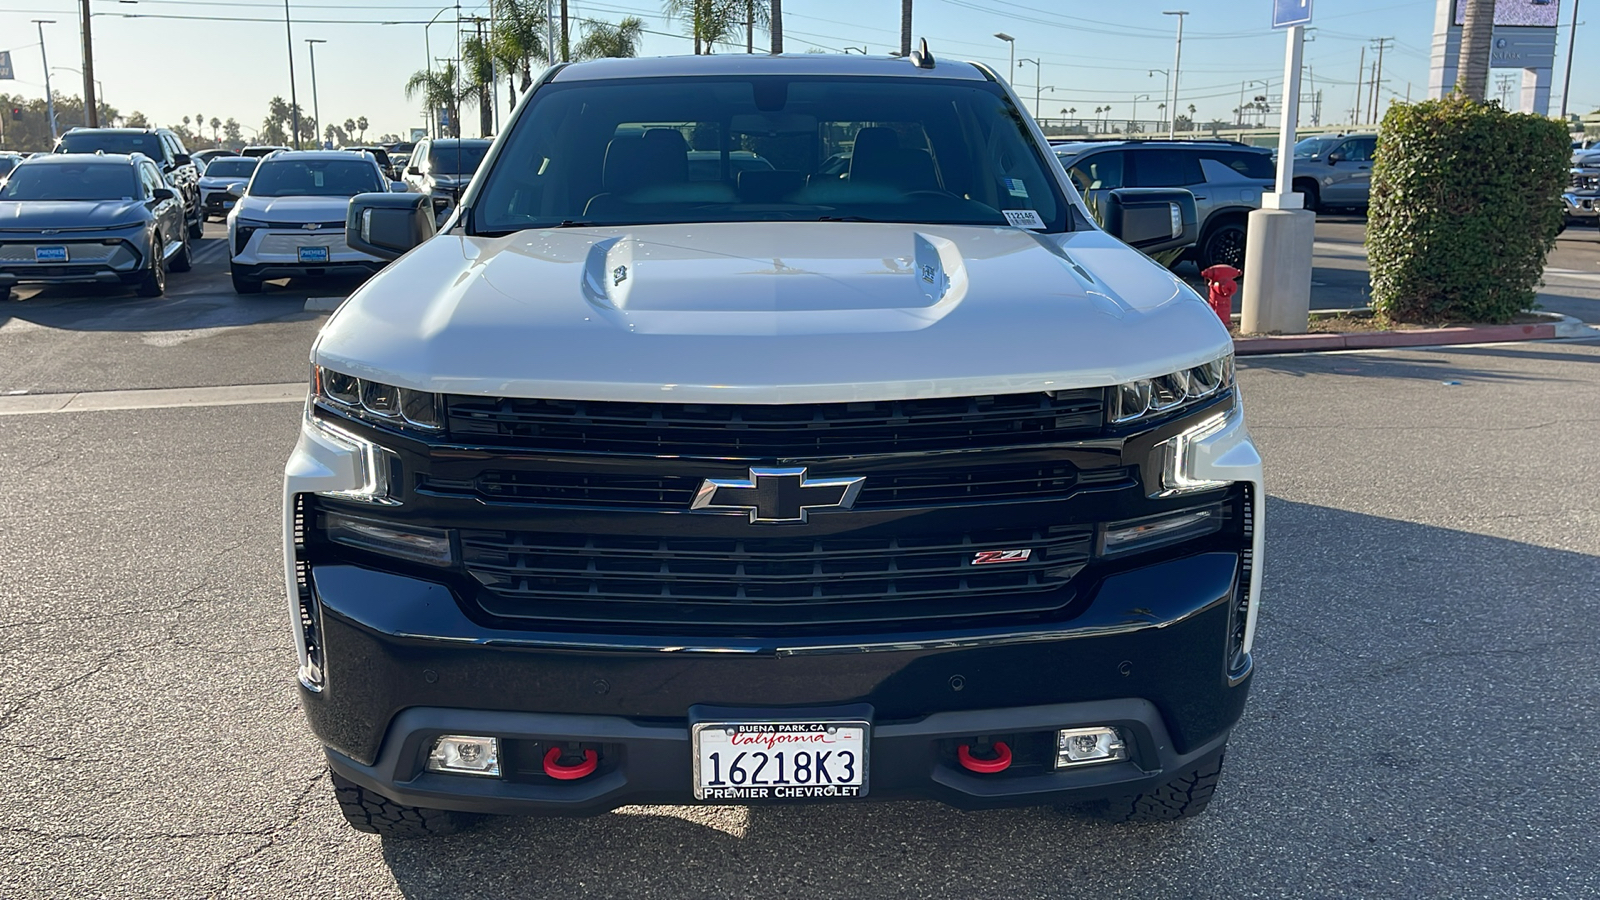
(374,813)
(243,284)
(154,283)
(1312,194)
(184,260)
(1183,797)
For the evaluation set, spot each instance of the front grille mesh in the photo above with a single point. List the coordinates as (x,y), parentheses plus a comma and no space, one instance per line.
(785,431)
(770,580)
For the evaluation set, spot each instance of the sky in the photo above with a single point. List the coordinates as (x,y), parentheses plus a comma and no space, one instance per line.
(175,58)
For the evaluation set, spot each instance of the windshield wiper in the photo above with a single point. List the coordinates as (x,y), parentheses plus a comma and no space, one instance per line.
(844,219)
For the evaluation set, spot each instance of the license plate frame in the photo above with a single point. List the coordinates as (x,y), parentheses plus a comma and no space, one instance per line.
(54,253)
(849,736)
(313,254)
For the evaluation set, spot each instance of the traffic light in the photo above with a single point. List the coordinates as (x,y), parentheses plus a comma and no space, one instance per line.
(16,112)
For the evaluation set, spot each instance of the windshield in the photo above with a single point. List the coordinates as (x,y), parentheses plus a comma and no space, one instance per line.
(315,178)
(232,167)
(446,159)
(769,148)
(1315,146)
(111,142)
(71,181)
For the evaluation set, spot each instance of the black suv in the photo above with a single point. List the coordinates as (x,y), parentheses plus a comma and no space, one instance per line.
(162,146)
(1227,179)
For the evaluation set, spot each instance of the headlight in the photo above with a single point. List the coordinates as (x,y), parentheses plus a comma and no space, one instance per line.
(374,401)
(1150,397)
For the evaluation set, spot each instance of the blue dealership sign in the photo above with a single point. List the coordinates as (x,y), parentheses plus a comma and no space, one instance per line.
(1287,13)
(5,65)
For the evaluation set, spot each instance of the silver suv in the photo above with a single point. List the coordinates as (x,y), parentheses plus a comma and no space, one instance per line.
(1226,178)
(1335,170)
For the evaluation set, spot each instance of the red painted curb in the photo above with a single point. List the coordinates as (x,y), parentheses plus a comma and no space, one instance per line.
(1422,337)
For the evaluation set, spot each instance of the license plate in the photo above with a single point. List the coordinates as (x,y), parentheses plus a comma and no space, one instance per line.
(743,761)
(49,254)
(313,254)
(227,204)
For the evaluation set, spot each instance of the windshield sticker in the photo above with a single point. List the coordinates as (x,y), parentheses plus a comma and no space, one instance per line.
(1024,218)
(1017,188)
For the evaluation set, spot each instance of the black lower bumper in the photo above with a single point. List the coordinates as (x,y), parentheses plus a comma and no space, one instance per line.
(404,664)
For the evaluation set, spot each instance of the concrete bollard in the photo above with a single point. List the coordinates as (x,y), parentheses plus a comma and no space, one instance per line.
(1277,272)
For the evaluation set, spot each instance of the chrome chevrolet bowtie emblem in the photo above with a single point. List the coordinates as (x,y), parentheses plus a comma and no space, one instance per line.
(777,496)
(311,226)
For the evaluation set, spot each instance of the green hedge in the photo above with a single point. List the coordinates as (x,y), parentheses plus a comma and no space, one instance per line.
(1466,203)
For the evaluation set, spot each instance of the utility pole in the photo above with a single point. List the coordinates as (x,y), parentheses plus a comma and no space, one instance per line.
(316,110)
(294,102)
(777,26)
(91,105)
(49,95)
(1572,41)
(1361,82)
(566,45)
(1377,81)
(1177,66)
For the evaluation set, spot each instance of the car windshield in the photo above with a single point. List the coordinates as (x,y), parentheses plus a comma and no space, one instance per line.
(637,151)
(456,157)
(314,178)
(111,142)
(1315,146)
(232,167)
(7,163)
(71,181)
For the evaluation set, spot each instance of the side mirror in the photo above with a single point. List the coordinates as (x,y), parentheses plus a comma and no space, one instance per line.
(413,170)
(182,159)
(236,191)
(388,225)
(1335,158)
(1151,220)
(399,187)
(161,194)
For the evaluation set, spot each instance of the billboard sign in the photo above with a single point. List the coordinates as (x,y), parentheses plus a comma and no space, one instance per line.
(1288,13)
(1520,13)
(5,65)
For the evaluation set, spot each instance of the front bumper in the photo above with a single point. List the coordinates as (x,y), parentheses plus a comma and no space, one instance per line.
(405,666)
(1581,206)
(88,262)
(278,253)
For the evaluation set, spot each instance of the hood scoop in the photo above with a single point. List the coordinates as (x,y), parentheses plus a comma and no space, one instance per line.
(633,275)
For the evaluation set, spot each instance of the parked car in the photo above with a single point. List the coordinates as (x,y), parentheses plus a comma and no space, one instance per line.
(1335,171)
(768,488)
(290,219)
(203,158)
(1581,200)
(8,161)
(398,162)
(1226,178)
(162,146)
(80,218)
(441,168)
(222,174)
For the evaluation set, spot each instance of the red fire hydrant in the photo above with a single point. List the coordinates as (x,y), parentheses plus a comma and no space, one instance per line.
(1224,283)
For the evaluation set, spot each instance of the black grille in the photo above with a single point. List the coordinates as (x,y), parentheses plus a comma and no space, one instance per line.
(770,580)
(932,487)
(1586,182)
(785,431)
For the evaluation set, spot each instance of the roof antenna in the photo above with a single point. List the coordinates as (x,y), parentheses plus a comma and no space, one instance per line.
(921,58)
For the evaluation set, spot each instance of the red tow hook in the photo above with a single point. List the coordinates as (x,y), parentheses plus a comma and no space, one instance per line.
(1000,763)
(591,760)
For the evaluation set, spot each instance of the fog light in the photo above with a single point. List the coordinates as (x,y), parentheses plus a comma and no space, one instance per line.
(461,754)
(1083,746)
(423,545)
(1159,531)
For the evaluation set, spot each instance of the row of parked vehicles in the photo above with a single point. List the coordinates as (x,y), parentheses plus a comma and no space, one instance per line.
(123,205)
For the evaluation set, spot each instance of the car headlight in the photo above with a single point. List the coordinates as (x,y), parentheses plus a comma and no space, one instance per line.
(1148,398)
(374,401)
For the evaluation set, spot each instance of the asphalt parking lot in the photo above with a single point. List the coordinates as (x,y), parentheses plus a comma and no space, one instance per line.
(1423,721)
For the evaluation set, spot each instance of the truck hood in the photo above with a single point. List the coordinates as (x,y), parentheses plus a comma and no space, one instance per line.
(294,210)
(769,313)
(69,215)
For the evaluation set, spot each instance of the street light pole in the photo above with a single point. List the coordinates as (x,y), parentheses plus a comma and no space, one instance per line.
(99,85)
(1012,67)
(1136,99)
(1038,69)
(49,95)
(294,100)
(1166,88)
(91,108)
(1566,81)
(1177,67)
(316,110)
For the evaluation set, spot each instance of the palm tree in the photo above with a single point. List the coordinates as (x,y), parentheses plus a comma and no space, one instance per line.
(216,129)
(440,89)
(518,39)
(349,126)
(756,15)
(361,126)
(602,39)
(1477,31)
(905,27)
(709,21)
(477,61)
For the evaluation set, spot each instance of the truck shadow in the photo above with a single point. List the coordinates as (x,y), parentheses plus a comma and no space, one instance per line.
(1397,665)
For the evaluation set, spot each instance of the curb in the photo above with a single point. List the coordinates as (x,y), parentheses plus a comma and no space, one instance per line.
(1568,327)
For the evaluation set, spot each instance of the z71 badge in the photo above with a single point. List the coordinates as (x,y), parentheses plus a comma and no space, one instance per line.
(992,557)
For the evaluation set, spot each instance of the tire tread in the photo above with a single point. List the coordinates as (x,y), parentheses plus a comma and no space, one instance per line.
(374,813)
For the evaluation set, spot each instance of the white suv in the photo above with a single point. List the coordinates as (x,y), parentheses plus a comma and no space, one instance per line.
(289,220)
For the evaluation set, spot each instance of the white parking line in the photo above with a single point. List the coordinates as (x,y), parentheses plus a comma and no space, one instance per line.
(159,398)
